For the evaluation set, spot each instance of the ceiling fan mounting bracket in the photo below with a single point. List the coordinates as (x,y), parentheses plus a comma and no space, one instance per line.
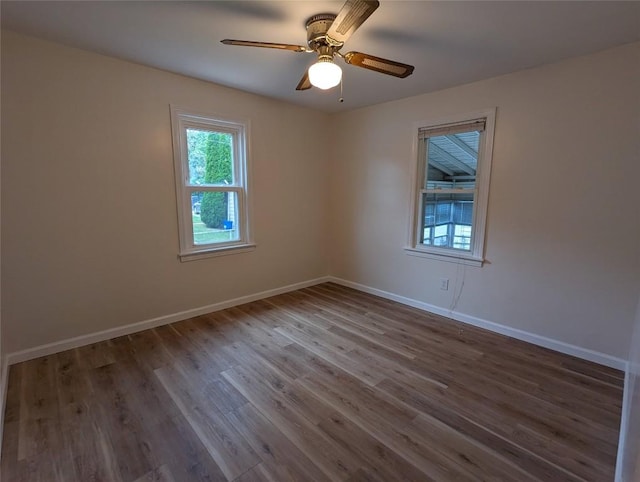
(317,27)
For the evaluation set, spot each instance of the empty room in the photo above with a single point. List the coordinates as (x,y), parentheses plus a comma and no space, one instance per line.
(320,241)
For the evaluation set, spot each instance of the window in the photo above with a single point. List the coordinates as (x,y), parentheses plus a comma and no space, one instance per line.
(452,187)
(210,158)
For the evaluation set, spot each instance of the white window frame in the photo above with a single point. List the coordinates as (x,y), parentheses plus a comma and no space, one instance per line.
(474,257)
(181,120)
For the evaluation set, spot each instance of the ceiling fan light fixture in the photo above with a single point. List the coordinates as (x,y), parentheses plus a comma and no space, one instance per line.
(325,74)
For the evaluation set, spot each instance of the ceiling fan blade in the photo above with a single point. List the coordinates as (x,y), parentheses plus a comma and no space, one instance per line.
(384,66)
(304,83)
(352,15)
(268,45)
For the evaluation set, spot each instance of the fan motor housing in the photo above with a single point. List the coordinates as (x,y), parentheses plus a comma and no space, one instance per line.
(317,27)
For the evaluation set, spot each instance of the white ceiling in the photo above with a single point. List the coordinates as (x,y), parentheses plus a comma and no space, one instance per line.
(449,42)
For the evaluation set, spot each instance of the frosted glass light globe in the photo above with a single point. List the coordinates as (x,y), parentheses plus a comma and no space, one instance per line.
(324,74)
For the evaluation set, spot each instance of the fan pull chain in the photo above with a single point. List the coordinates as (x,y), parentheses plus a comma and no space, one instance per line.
(341,99)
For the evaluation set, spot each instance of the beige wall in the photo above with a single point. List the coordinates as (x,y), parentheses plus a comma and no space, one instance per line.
(89,234)
(563,223)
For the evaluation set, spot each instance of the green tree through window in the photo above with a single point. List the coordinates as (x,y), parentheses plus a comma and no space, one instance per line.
(218,170)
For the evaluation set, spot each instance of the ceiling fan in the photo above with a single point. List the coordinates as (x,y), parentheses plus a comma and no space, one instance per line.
(326,35)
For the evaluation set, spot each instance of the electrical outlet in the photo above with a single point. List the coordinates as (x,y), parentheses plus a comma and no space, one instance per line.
(444,284)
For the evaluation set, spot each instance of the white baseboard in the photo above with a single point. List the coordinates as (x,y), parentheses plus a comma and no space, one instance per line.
(562,347)
(4,383)
(624,421)
(58,346)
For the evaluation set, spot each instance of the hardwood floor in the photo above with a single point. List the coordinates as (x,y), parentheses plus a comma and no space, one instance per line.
(325,383)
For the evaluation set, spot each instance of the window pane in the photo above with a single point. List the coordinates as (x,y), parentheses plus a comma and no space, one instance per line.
(210,157)
(215,217)
(447,220)
(452,161)
(462,237)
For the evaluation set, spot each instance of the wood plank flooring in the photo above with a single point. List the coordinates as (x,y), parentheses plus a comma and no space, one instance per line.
(321,384)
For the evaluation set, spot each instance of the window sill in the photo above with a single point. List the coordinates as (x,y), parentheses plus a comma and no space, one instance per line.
(215,252)
(450,257)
